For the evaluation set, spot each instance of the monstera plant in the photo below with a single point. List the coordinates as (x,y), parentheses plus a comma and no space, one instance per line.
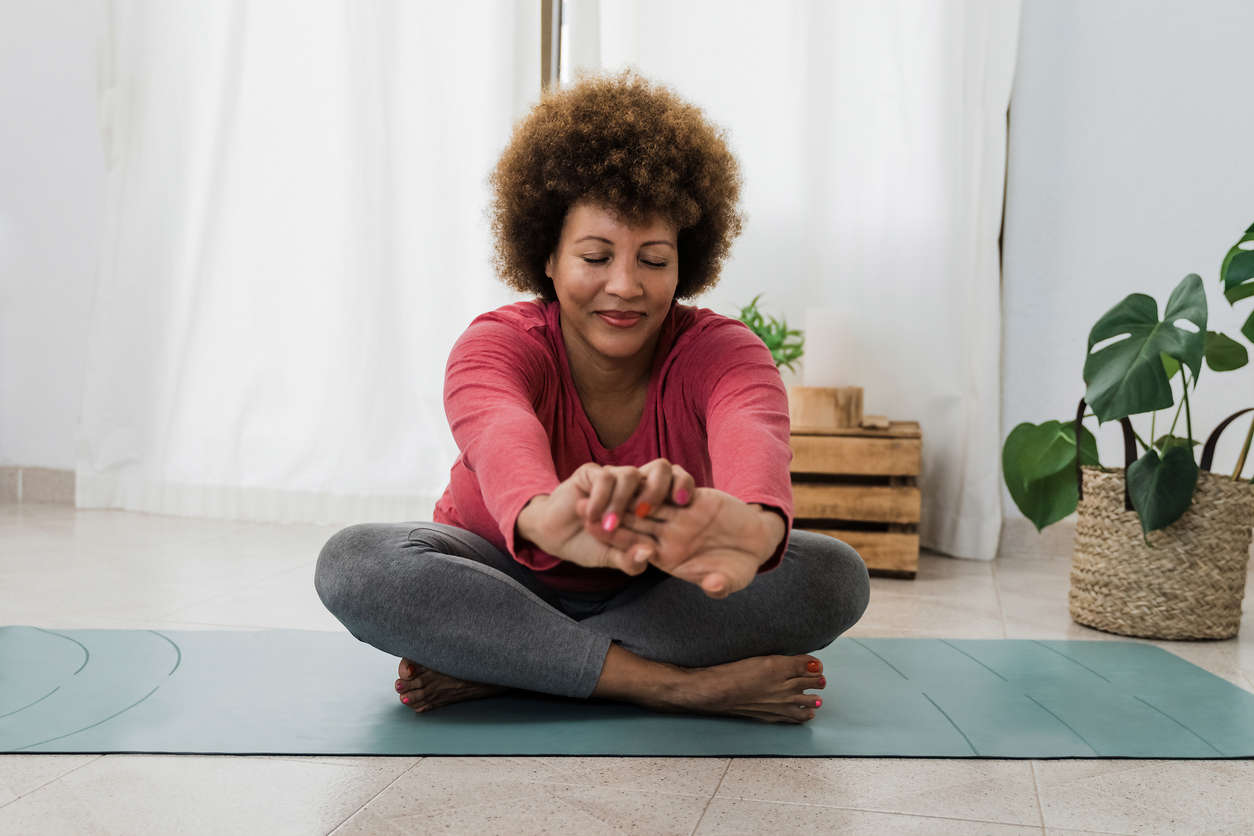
(1129,376)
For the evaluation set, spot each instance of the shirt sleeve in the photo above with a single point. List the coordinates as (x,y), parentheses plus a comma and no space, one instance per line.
(493,379)
(747,425)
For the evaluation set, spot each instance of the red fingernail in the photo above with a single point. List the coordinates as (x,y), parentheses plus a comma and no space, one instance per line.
(682,496)
(822,681)
(812,666)
(610,521)
(818,703)
(643,509)
(405,700)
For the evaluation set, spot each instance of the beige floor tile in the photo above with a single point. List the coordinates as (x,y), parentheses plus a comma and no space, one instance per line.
(1020,537)
(21,774)
(989,790)
(890,614)
(686,776)
(500,796)
(733,817)
(128,794)
(1147,796)
(440,784)
(1046,617)
(285,600)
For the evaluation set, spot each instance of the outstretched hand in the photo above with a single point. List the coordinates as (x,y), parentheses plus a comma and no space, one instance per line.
(715,541)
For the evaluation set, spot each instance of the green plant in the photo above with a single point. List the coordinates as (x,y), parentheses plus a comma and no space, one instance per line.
(775,333)
(1132,376)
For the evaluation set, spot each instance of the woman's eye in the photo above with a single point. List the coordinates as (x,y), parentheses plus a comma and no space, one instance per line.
(606,258)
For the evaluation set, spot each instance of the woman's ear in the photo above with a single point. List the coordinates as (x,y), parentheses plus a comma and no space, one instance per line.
(548,267)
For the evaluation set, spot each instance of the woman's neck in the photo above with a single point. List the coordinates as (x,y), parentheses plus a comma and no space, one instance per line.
(601,378)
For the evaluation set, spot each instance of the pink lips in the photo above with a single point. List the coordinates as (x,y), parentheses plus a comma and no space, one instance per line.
(625,319)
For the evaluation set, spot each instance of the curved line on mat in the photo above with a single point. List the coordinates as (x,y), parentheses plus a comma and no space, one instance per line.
(93,725)
(1183,726)
(29,704)
(178,659)
(1070,659)
(83,647)
(881,658)
(977,661)
(974,750)
(1065,723)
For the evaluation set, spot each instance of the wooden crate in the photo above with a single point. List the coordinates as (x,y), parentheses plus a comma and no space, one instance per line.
(861,486)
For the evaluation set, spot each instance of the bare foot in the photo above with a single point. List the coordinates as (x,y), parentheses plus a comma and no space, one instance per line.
(767,688)
(423,689)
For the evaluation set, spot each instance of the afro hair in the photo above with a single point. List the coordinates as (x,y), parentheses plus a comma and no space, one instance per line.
(634,148)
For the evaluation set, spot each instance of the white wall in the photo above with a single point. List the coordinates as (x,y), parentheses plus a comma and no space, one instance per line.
(1129,167)
(1130,133)
(52,181)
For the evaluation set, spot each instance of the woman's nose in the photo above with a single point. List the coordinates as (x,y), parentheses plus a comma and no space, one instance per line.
(624,281)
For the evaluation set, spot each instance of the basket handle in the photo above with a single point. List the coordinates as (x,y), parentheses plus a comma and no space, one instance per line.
(1129,449)
(1208,452)
(1129,455)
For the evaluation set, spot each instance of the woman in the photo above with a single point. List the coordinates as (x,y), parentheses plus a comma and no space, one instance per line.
(618,522)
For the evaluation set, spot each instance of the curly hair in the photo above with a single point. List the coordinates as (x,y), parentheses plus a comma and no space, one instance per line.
(633,148)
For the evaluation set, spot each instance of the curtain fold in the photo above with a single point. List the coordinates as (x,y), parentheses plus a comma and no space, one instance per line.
(872,137)
(295,236)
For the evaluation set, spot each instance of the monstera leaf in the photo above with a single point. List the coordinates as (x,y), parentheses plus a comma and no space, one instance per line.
(1162,489)
(1038,463)
(1237,275)
(1164,442)
(1223,354)
(1127,377)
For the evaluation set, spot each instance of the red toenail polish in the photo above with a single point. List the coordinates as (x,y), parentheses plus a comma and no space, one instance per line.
(818,703)
(822,681)
(405,700)
(812,666)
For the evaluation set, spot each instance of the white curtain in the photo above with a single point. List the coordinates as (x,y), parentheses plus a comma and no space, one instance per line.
(295,235)
(872,136)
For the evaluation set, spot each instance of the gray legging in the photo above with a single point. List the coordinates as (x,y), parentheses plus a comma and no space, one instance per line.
(450,600)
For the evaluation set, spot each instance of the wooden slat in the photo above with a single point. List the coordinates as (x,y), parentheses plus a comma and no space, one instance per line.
(861,456)
(880,550)
(897,429)
(870,503)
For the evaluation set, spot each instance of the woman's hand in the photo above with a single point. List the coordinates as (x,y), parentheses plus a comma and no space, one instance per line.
(552,522)
(716,541)
(617,491)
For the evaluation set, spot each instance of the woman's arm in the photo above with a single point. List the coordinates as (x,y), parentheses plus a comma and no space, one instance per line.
(747,427)
(493,378)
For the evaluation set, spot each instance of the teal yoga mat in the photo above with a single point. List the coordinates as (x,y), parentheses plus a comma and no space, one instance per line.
(301,692)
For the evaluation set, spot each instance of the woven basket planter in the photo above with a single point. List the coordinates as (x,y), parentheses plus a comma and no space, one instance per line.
(1188,586)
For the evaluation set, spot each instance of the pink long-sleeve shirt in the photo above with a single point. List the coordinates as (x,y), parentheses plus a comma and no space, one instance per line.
(716,406)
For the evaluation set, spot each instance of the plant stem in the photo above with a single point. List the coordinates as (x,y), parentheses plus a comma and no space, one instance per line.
(1245,449)
(1177,418)
(1188,417)
(1153,418)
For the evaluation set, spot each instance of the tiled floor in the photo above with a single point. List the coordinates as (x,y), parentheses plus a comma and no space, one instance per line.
(65,568)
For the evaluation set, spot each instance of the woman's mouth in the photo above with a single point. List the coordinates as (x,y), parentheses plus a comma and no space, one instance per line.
(620,319)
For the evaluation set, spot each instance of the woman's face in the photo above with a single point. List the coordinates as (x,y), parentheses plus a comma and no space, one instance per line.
(614,282)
